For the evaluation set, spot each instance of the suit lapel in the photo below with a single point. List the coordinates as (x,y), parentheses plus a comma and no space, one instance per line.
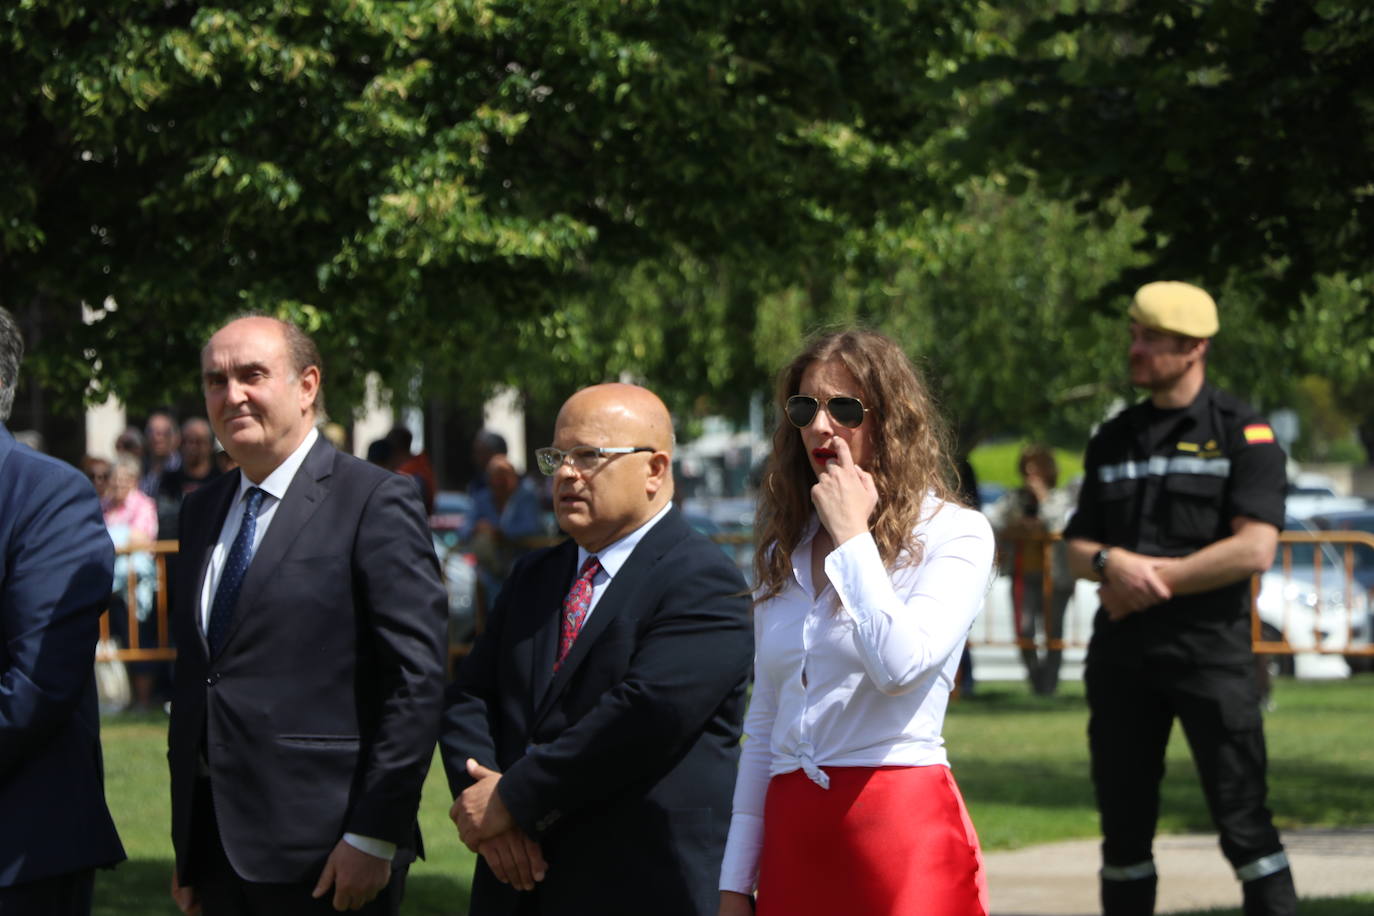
(550,594)
(199,550)
(304,495)
(636,569)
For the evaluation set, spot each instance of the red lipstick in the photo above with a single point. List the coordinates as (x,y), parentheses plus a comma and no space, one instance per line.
(823,454)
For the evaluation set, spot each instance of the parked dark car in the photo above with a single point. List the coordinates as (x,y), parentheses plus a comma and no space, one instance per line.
(447,526)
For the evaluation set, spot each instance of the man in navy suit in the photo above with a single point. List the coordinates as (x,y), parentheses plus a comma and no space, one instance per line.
(56,566)
(591,738)
(310,624)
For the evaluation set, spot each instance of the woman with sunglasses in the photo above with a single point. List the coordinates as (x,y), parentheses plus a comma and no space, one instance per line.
(869,575)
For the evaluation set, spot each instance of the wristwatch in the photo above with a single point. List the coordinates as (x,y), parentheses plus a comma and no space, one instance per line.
(1100,562)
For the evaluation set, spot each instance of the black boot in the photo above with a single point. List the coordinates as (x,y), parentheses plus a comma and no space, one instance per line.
(1272,895)
(1034,676)
(1130,898)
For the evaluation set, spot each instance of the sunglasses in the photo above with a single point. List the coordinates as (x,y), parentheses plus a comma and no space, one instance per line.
(846,411)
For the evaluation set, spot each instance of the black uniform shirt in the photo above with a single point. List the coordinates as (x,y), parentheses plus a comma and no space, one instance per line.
(1167,483)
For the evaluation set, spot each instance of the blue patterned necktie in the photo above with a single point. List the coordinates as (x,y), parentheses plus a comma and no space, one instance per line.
(231,579)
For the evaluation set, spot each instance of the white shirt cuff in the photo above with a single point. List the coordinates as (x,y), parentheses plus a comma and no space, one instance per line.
(372,846)
(739,872)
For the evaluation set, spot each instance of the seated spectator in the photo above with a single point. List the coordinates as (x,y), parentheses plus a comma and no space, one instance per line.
(196,469)
(162,454)
(127,507)
(503,512)
(98,471)
(508,505)
(131,518)
(379,453)
(414,466)
(130,442)
(486,445)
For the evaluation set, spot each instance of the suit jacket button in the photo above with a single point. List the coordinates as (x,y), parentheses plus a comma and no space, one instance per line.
(210,681)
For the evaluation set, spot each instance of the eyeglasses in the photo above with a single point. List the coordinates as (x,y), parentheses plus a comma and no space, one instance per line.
(846,411)
(583,457)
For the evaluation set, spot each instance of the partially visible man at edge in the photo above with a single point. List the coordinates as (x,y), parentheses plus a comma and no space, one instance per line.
(56,564)
(1182,502)
(310,619)
(592,736)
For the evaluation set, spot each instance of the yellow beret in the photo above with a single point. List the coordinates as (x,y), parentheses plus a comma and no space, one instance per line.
(1179,308)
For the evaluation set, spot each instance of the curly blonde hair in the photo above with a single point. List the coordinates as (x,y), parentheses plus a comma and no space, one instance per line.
(910,454)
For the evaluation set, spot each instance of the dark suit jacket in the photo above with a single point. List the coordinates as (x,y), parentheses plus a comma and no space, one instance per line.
(622,765)
(56,573)
(320,713)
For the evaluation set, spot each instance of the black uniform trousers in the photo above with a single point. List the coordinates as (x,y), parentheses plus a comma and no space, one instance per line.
(1133,708)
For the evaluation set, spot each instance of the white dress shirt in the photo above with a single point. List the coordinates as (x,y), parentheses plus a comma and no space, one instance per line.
(274,486)
(613,556)
(864,683)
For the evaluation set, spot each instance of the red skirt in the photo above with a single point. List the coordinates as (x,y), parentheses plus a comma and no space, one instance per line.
(881,841)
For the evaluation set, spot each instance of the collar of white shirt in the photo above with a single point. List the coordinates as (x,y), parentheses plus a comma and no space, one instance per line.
(275,484)
(614,555)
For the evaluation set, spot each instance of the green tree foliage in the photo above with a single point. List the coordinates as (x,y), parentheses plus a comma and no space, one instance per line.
(990,297)
(456,185)
(1240,127)
(545,194)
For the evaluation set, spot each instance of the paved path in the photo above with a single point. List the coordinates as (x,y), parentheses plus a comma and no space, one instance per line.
(1060,879)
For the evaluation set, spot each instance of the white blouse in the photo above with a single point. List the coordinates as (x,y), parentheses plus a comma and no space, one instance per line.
(864,686)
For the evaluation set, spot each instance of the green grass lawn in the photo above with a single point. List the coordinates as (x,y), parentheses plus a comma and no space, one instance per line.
(136,786)
(1021,761)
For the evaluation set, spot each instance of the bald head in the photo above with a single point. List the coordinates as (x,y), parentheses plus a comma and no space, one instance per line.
(601,503)
(629,409)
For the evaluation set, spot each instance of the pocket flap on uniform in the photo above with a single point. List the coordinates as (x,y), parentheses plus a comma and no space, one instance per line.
(1201,485)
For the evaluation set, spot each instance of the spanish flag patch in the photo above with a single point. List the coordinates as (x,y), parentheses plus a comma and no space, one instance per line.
(1258,432)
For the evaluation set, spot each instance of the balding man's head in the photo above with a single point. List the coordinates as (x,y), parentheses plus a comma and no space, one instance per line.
(600,500)
(261,404)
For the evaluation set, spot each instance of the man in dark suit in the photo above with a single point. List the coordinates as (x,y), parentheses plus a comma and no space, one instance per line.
(309,618)
(591,738)
(56,569)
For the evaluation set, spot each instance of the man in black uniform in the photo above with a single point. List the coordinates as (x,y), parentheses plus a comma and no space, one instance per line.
(1182,503)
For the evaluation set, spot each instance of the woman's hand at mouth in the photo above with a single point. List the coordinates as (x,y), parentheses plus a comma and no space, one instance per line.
(844,494)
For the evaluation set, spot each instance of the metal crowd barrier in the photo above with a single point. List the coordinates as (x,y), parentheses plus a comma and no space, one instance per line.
(1329,618)
(1340,620)
(135,651)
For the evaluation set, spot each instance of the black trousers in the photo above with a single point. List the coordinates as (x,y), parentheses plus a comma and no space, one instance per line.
(1132,711)
(223,893)
(63,895)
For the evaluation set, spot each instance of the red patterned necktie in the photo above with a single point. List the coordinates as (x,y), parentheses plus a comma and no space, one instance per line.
(575,608)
